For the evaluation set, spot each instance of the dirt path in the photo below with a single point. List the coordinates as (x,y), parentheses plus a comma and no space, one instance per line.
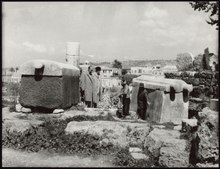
(14,158)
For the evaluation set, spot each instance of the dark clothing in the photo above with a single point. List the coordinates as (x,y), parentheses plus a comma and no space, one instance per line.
(126,105)
(94,105)
(88,103)
(142,104)
(82,95)
(125,96)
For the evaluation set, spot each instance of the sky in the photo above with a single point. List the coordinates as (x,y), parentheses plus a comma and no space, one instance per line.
(105,30)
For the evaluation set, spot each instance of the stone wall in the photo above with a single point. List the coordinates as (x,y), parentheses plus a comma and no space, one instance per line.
(205,83)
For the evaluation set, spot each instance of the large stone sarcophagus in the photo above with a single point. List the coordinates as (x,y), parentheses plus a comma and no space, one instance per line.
(168,99)
(49,84)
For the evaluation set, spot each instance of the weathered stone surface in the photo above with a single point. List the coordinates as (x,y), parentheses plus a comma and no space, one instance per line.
(18,107)
(7,115)
(57,111)
(134,150)
(207,165)
(208,135)
(170,157)
(174,153)
(18,122)
(49,85)
(159,126)
(179,127)
(214,104)
(49,92)
(117,133)
(139,156)
(25,110)
(137,135)
(18,125)
(190,122)
(157,137)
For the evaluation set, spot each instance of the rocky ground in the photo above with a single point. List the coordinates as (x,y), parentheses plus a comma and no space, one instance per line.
(129,142)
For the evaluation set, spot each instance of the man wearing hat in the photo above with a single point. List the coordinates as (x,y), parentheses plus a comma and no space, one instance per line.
(97,86)
(86,82)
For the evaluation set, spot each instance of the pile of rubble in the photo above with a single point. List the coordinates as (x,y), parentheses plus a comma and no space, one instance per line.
(109,100)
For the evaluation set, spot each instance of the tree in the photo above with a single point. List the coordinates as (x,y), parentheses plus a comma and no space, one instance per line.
(12,69)
(117,64)
(16,69)
(208,6)
(124,71)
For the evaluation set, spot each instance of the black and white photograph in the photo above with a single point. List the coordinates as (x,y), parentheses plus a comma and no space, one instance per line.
(110,84)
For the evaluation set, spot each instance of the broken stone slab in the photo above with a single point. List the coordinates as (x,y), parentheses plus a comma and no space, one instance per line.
(194,99)
(7,115)
(174,153)
(190,122)
(207,165)
(170,157)
(158,126)
(135,150)
(136,135)
(214,104)
(19,125)
(116,132)
(57,111)
(155,139)
(139,156)
(179,128)
(18,107)
(26,110)
(208,147)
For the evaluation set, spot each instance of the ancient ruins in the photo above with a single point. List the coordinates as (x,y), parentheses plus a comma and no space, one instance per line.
(49,117)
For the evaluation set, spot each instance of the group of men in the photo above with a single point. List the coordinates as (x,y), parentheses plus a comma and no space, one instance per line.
(91,86)
(142,100)
(91,92)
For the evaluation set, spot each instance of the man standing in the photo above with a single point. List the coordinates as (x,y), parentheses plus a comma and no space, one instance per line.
(87,86)
(125,97)
(142,102)
(97,86)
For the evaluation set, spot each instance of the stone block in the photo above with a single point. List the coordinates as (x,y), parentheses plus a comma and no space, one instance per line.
(214,104)
(208,146)
(52,86)
(135,150)
(57,111)
(165,99)
(156,138)
(25,110)
(139,156)
(116,133)
(18,107)
(170,157)
(179,127)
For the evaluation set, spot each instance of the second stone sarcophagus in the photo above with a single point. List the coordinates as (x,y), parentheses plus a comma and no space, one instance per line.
(168,99)
(49,85)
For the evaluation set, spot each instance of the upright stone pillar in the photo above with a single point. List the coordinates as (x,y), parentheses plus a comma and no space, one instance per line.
(73,53)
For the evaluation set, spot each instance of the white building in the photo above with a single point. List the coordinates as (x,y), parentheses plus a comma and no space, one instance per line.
(169,69)
(109,82)
(109,72)
(141,70)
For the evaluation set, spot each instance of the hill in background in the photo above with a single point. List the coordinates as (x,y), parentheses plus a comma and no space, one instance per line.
(136,63)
